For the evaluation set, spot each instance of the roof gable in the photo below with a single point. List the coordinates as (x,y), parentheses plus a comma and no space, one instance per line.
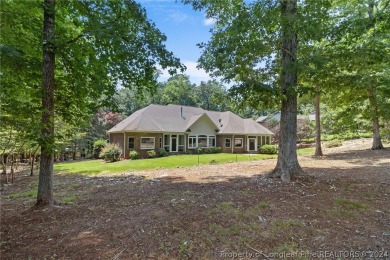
(196,119)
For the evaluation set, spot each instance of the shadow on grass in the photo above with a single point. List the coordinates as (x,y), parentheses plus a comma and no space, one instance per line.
(132,217)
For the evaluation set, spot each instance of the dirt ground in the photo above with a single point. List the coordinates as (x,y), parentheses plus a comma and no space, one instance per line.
(339,209)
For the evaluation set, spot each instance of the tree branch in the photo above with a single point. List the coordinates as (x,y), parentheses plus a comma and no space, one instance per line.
(385,5)
(81,35)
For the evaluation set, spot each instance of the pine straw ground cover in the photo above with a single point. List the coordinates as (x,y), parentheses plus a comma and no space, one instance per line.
(342,206)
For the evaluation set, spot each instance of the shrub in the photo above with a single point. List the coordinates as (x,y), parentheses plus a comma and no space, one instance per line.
(97,147)
(268,149)
(89,156)
(217,149)
(151,153)
(162,153)
(134,155)
(208,150)
(198,150)
(334,143)
(111,153)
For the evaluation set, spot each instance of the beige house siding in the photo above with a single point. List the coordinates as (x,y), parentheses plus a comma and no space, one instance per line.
(203,126)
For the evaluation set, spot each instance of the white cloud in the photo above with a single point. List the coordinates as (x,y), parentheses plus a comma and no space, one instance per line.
(177,16)
(209,21)
(196,75)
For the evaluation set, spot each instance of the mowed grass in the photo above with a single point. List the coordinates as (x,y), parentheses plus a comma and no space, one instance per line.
(173,161)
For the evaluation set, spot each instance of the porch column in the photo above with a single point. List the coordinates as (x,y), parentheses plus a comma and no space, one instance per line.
(232,143)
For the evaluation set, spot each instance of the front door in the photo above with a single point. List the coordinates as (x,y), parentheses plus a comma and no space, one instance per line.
(252,144)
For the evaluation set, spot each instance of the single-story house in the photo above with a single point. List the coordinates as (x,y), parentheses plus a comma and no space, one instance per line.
(182,129)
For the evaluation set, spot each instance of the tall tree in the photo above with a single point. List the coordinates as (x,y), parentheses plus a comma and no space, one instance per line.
(360,41)
(90,49)
(287,165)
(254,45)
(45,186)
(211,95)
(179,90)
(318,151)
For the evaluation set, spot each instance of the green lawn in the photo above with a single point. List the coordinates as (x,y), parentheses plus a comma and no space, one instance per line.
(173,161)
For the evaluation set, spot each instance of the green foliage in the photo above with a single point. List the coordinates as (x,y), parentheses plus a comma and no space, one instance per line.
(212,95)
(198,150)
(334,143)
(151,154)
(245,44)
(111,152)
(217,149)
(268,149)
(134,155)
(162,153)
(98,146)
(208,150)
(179,91)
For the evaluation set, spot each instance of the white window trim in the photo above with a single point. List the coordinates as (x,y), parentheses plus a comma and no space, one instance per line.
(253,138)
(197,141)
(154,143)
(181,145)
(209,138)
(242,143)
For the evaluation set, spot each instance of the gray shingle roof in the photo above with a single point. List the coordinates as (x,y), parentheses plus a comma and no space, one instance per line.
(176,118)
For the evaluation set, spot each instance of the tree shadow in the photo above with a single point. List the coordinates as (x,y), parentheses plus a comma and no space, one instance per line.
(136,217)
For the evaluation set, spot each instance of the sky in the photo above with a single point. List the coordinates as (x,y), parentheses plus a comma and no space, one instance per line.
(184,28)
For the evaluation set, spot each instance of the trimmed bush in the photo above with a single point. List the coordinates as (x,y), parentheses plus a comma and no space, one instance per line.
(268,149)
(162,153)
(198,150)
(97,147)
(111,153)
(217,150)
(151,154)
(208,150)
(134,155)
(334,143)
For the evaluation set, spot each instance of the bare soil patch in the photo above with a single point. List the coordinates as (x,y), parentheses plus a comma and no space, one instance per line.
(208,212)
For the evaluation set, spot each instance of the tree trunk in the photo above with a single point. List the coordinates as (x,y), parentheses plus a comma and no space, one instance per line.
(33,161)
(287,165)
(12,172)
(3,164)
(318,151)
(45,184)
(376,136)
(32,165)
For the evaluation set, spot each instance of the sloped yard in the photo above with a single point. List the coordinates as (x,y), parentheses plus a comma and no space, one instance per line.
(208,212)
